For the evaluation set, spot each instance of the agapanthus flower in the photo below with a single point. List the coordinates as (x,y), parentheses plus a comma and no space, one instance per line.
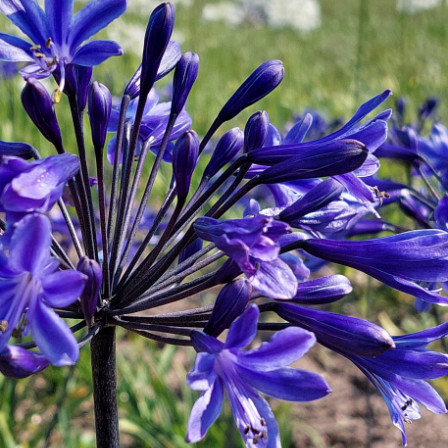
(253,244)
(31,285)
(241,373)
(401,375)
(57,35)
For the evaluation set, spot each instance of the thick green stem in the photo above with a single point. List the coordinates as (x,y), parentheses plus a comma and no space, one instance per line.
(105,388)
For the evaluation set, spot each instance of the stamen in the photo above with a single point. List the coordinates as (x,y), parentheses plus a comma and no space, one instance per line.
(3,326)
(47,42)
(35,47)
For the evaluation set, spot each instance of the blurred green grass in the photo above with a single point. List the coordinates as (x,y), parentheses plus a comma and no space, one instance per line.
(361,49)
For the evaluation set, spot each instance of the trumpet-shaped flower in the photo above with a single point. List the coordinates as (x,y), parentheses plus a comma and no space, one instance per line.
(30,284)
(57,35)
(225,367)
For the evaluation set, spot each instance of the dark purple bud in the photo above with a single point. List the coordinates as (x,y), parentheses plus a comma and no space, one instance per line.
(338,332)
(184,77)
(17,149)
(259,84)
(185,157)
(323,290)
(230,303)
(16,362)
(89,296)
(400,106)
(227,147)
(341,157)
(39,106)
(319,196)
(158,33)
(100,104)
(256,131)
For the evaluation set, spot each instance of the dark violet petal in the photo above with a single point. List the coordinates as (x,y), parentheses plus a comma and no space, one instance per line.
(205,411)
(422,338)
(323,290)
(96,15)
(356,187)
(319,196)
(30,244)
(298,132)
(274,279)
(287,384)
(259,84)
(243,329)
(284,347)
(362,111)
(184,77)
(16,362)
(336,331)
(52,336)
(29,17)
(62,288)
(96,52)
(226,149)
(399,255)
(14,49)
(230,303)
(17,149)
(100,105)
(59,16)
(256,131)
(205,343)
(344,156)
(423,393)
(185,157)
(417,364)
(373,135)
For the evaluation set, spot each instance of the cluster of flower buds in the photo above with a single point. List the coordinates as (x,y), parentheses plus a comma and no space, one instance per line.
(83,239)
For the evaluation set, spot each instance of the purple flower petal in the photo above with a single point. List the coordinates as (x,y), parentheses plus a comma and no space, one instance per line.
(287,383)
(62,288)
(243,329)
(52,336)
(96,15)
(283,348)
(205,411)
(96,52)
(30,244)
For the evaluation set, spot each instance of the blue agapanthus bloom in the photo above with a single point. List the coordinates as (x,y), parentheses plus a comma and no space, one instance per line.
(31,285)
(57,36)
(112,245)
(224,367)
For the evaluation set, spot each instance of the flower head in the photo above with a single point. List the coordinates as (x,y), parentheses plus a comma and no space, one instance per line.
(57,35)
(225,367)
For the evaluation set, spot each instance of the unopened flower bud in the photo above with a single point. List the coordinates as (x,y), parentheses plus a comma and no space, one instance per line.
(89,296)
(227,147)
(158,33)
(260,83)
(16,362)
(184,77)
(39,106)
(100,104)
(185,157)
(256,130)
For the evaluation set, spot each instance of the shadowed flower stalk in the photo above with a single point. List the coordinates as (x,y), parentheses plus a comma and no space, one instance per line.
(240,222)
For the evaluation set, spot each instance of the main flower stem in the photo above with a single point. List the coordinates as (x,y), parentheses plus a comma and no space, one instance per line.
(105,388)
